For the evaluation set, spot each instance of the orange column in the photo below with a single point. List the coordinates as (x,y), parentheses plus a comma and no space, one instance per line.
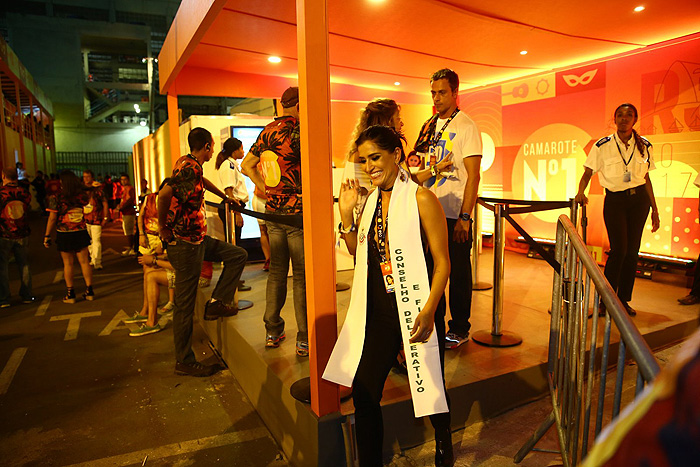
(174,128)
(319,247)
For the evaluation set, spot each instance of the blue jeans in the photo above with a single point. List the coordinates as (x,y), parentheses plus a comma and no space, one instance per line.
(285,243)
(186,259)
(18,248)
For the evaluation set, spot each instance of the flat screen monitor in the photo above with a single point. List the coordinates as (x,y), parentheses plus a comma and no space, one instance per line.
(248,135)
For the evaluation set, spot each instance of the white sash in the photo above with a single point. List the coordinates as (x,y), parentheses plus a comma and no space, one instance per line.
(412,291)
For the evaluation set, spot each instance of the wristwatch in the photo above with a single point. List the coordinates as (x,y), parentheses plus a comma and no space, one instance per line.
(465,216)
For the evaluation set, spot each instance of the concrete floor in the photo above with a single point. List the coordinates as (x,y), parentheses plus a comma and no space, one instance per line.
(103,398)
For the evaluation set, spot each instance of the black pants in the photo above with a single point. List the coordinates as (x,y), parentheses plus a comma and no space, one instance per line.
(186,259)
(460,282)
(625,213)
(381,346)
(695,290)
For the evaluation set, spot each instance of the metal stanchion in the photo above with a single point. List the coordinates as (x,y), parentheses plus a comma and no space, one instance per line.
(230,238)
(497,337)
(476,251)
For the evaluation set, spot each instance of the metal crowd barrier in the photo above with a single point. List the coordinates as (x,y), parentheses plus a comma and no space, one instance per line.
(476,250)
(577,367)
(502,209)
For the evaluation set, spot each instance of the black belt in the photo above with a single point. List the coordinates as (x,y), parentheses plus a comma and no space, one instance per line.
(628,192)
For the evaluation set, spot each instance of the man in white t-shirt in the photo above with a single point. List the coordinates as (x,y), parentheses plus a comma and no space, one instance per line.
(451,135)
(693,296)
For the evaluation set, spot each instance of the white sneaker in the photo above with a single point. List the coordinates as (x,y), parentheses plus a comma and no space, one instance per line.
(167,309)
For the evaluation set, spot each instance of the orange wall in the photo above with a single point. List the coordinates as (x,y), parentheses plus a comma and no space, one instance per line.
(543,127)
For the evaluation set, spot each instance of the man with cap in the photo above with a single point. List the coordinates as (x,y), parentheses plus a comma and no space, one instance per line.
(277,149)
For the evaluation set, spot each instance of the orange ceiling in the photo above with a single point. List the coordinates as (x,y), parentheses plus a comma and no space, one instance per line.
(375,43)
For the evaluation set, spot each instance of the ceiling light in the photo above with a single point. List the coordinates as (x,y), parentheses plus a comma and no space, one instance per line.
(639,8)
(523,52)
(274,59)
(396,83)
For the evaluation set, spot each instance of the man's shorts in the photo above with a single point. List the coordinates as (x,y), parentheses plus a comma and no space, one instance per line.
(154,244)
(128,224)
(258,205)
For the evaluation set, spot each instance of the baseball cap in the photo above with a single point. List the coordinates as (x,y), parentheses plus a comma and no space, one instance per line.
(290,97)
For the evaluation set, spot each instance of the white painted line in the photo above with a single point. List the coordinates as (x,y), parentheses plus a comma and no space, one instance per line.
(74,323)
(118,323)
(176,449)
(8,373)
(58,277)
(130,273)
(41,311)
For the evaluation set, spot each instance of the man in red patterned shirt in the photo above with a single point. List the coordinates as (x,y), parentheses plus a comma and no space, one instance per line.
(14,236)
(127,207)
(277,149)
(183,227)
(95,212)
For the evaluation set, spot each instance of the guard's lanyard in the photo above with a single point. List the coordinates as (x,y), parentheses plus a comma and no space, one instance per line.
(438,135)
(627,162)
(385,263)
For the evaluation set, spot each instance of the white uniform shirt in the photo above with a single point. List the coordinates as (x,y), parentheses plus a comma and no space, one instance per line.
(231,177)
(607,160)
(462,139)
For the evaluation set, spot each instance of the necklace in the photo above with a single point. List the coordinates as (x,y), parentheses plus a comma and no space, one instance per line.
(387,189)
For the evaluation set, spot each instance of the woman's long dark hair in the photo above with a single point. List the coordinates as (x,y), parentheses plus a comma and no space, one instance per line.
(637,139)
(385,137)
(71,185)
(230,146)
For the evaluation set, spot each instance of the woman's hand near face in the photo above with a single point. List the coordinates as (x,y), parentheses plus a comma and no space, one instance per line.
(349,196)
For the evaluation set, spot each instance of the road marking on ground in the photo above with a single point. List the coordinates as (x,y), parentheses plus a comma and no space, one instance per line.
(8,373)
(41,311)
(58,277)
(74,323)
(116,323)
(176,449)
(129,273)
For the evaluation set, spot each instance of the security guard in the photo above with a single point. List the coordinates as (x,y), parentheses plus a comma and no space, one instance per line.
(622,161)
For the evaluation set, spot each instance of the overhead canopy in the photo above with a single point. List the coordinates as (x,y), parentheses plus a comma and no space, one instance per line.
(376,43)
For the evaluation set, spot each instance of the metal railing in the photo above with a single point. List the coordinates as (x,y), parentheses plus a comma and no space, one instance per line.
(576,363)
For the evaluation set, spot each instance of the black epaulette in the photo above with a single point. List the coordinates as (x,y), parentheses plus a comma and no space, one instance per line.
(602,141)
(646,142)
